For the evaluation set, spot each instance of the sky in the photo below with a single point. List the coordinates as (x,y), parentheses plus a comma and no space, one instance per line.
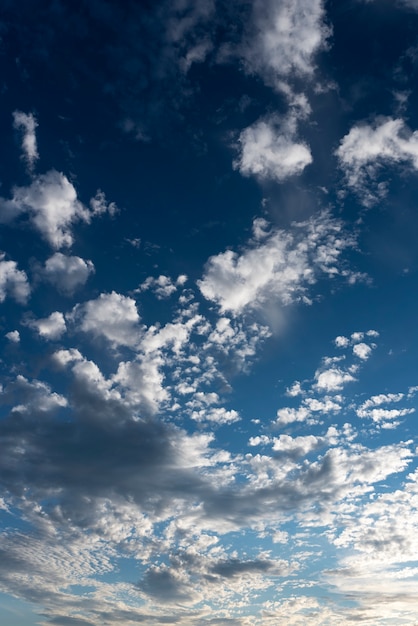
(208,292)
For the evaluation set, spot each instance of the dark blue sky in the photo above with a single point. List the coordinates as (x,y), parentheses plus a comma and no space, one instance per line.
(208,275)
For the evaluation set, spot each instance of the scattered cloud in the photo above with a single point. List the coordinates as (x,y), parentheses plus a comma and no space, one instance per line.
(276,265)
(26,123)
(163,286)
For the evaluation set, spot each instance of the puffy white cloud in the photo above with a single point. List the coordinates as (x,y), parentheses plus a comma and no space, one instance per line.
(289,415)
(67,273)
(332,379)
(112,316)
(52,204)
(13,282)
(362,350)
(217,415)
(13,336)
(341,341)
(142,383)
(53,207)
(367,147)
(281,265)
(51,327)
(296,446)
(269,149)
(283,38)
(27,123)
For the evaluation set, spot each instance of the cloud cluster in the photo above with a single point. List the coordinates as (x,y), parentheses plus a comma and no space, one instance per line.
(276,264)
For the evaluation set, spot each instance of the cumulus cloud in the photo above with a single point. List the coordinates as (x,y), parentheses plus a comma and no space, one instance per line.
(269,149)
(367,147)
(332,379)
(51,327)
(13,282)
(13,336)
(276,264)
(31,397)
(112,316)
(362,350)
(26,123)
(52,205)
(67,273)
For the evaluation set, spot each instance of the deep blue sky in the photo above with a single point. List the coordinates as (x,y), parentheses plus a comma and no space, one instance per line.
(208,280)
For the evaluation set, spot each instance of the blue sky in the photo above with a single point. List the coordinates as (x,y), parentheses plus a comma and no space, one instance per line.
(208,277)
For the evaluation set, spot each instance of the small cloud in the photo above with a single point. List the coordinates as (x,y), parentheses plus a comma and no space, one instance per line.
(100,206)
(269,149)
(362,351)
(13,336)
(51,327)
(26,123)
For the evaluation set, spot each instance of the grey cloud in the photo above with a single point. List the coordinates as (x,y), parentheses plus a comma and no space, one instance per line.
(234,567)
(164,585)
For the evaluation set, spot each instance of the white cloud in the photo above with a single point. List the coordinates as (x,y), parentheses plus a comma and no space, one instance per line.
(269,149)
(163,286)
(13,336)
(281,266)
(53,207)
(51,327)
(367,147)
(297,446)
(52,204)
(67,273)
(362,351)
(112,316)
(142,383)
(372,409)
(99,204)
(332,379)
(13,282)
(27,123)
(341,341)
(284,38)
(217,415)
(289,415)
